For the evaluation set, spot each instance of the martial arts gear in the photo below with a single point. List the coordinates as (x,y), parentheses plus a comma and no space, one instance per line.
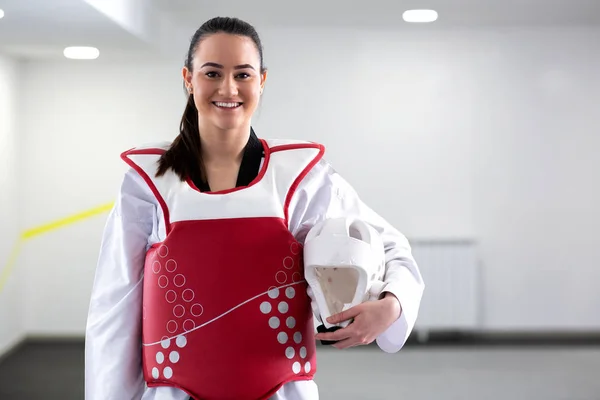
(344,262)
(226,312)
(113,357)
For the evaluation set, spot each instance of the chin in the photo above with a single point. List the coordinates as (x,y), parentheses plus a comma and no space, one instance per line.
(229,123)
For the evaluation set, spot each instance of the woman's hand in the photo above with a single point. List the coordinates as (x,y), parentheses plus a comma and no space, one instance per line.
(370,319)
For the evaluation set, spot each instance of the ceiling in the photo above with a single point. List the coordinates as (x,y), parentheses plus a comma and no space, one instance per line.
(388,13)
(121,29)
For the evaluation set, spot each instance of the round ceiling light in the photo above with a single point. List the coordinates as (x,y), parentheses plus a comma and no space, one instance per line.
(420,16)
(1,13)
(81,53)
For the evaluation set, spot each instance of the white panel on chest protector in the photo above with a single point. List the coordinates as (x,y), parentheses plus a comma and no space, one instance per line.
(149,164)
(344,265)
(285,166)
(265,198)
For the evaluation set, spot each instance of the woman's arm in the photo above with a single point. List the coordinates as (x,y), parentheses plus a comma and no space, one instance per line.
(113,333)
(325,194)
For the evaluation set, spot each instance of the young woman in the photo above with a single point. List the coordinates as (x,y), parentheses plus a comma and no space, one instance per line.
(199,290)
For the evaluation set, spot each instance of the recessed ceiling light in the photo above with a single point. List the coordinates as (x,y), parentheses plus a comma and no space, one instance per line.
(81,53)
(1,13)
(420,15)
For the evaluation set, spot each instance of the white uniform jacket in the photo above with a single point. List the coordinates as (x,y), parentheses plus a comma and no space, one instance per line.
(113,333)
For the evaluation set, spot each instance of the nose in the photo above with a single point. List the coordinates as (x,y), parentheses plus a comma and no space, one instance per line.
(228,87)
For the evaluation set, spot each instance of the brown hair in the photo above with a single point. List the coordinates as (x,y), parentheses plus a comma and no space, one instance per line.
(184,155)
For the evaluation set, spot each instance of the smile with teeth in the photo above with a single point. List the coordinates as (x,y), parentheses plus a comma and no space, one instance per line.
(221,104)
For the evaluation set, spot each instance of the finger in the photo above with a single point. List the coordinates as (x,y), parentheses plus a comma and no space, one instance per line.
(353,341)
(346,344)
(345,315)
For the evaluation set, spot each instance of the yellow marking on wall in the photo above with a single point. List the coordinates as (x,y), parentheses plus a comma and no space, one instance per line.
(12,259)
(42,229)
(28,234)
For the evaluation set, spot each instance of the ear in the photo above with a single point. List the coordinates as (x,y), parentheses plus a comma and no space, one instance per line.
(187,77)
(263,79)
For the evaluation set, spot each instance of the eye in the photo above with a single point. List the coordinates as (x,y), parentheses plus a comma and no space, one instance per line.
(212,74)
(243,75)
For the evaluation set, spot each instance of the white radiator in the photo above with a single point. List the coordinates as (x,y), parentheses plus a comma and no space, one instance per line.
(452,299)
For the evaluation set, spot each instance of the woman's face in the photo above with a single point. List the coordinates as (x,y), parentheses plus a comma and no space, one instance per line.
(225,80)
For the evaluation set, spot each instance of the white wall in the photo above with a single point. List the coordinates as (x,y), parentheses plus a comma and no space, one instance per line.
(485,135)
(11,302)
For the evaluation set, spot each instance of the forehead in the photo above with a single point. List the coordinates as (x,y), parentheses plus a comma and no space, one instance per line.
(227,50)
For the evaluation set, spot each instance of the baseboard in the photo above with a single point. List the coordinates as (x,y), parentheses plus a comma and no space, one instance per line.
(54,338)
(505,338)
(433,339)
(12,348)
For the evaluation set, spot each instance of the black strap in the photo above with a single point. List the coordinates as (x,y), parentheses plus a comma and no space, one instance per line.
(321,329)
(250,166)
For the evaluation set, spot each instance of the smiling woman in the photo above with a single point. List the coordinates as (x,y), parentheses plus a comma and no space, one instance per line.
(202,260)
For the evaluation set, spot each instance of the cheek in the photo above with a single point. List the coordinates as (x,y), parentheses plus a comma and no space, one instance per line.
(253,93)
(202,88)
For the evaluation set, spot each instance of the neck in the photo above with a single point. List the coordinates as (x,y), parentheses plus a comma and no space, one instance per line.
(223,146)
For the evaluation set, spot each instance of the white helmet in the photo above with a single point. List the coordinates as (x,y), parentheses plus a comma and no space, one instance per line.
(344,265)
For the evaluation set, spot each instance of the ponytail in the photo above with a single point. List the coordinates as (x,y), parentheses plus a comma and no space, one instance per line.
(184,155)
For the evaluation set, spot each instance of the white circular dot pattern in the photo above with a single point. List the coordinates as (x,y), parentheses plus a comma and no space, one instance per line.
(197,310)
(288,262)
(156,267)
(163,282)
(274,322)
(297,337)
(281,277)
(290,352)
(187,295)
(283,307)
(282,337)
(171,265)
(178,311)
(295,248)
(172,326)
(290,292)
(290,322)
(179,280)
(265,307)
(171,296)
(166,364)
(181,341)
(172,280)
(277,305)
(163,251)
(186,308)
(188,325)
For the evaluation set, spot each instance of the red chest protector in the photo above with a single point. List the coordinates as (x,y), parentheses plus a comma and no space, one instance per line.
(225,310)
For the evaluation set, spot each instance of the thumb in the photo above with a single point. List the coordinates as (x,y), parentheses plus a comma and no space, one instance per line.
(345,315)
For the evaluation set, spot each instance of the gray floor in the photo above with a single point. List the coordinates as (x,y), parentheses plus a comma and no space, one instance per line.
(462,373)
(55,371)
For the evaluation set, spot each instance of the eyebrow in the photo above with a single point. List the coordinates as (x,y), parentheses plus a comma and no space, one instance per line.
(215,65)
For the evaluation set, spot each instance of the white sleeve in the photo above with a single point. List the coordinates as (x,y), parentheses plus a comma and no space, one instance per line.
(113,333)
(325,194)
